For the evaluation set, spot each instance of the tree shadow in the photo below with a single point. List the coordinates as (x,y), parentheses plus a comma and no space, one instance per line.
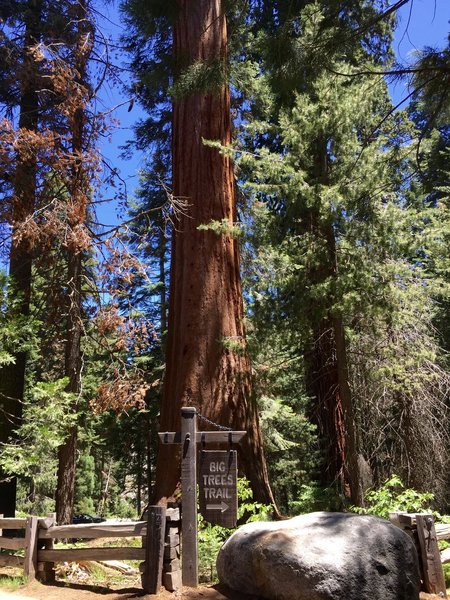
(134,592)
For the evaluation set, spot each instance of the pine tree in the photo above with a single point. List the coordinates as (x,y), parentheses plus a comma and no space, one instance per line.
(296,71)
(23,187)
(77,210)
(330,165)
(54,170)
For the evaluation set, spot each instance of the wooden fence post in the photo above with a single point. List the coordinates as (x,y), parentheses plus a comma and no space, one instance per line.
(431,559)
(189,556)
(31,539)
(154,555)
(46,570)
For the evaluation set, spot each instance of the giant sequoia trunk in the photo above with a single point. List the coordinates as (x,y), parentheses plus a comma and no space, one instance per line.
(12,377)
(206,360)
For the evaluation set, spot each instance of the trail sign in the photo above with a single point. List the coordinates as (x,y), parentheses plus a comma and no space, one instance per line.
(189,437)
(218,487)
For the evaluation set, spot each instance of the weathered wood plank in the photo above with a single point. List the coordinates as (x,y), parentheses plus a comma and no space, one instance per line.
(403,520)
(442,531)
(76,554)
(209,437)
(31,539)
(152,575)
(46,522)
(173,514)
(10,523)
(445,556)
(408,519)
(434,581)
(46,570)
(9,560)
(95,530)
(12,543)
(189,496)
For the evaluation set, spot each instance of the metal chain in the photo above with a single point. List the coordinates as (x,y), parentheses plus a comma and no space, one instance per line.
(222,427)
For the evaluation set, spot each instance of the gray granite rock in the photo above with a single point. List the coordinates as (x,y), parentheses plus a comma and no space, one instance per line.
(321,556)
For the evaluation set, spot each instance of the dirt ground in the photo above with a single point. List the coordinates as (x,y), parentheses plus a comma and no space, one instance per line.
(76,581)
(111,588)
(60,591)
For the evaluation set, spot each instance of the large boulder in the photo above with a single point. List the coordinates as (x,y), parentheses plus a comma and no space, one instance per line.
(321,556)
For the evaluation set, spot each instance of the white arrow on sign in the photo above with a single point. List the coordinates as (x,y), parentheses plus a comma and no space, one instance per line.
(222,507)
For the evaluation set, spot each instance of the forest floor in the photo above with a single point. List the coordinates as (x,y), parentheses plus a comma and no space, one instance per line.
(37,591)
(107,584)
(73,591)
(61,591)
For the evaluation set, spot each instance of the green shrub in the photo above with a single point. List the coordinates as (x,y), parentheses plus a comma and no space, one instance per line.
(211,537)
(392,496)
(13,583)
(446,569)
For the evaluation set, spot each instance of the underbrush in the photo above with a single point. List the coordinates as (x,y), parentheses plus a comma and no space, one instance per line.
(393,496)
(212,537)
(99,573)
(11,580)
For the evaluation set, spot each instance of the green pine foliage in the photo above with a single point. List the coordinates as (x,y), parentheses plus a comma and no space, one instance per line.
(17,332)
(33,455)
(331,168)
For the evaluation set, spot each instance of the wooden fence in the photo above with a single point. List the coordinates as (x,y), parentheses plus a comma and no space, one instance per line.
(426,533)
(161,544)
(40,554)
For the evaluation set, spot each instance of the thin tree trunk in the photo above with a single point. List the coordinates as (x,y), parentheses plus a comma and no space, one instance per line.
(140,466)
(206,361)
(162,278)
(12,377)
(322,385)
(150,457)
(65,492)
(327,375)
(351,464)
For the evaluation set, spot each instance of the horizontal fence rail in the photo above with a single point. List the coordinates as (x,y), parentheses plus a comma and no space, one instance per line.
(28,543)
(95,530)
(77,554)
(442,531)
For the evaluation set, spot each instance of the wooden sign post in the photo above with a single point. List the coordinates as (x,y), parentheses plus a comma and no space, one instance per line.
(189,564)
(189,437)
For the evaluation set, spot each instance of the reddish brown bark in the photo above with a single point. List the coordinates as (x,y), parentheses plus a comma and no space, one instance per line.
(327,378)
(327,383)
(353,483)
(323,387)
(12,377)
(206,362)
(65,491)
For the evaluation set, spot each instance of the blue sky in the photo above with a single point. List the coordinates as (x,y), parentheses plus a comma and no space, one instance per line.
(421,23)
